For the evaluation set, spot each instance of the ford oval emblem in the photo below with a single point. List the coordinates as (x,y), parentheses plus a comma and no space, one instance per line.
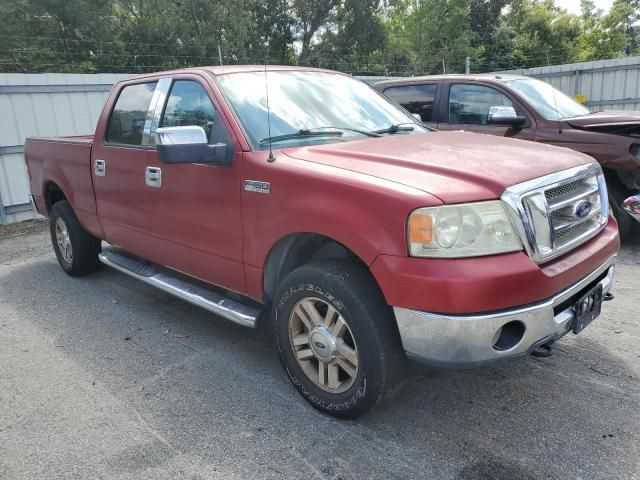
(582,209)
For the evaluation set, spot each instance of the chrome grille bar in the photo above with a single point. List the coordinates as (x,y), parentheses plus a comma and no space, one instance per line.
(558,212)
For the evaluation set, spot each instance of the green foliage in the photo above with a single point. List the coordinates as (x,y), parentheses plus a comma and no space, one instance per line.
(385,37)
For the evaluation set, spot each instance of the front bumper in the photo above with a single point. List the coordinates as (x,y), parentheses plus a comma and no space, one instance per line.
(468,340)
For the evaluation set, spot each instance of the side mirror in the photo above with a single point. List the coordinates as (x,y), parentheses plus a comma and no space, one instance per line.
(417,117)
(189,145)
(504,115)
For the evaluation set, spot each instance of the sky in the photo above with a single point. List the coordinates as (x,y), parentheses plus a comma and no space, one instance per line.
(573,6)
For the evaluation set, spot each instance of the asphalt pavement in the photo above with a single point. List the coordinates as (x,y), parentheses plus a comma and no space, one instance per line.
(103,377)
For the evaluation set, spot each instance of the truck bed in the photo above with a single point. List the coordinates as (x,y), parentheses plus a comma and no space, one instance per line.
(63,164)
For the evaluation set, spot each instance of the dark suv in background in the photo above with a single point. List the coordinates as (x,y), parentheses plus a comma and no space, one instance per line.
(529,109)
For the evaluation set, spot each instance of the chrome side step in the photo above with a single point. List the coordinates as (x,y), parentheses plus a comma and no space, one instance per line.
(162,279)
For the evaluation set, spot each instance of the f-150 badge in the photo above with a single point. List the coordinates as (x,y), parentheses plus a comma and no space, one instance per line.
(257,186)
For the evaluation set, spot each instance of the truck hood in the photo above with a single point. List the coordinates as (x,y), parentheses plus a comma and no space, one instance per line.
(604,119)
(454,166)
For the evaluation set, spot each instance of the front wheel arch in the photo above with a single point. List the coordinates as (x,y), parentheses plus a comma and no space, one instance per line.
(297,249)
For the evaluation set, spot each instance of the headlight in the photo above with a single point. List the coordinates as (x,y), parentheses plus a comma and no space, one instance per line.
(466,230)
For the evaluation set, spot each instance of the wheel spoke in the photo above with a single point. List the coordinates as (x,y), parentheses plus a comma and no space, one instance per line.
(339,327)
(301,339)
(313,313)
(346,366)
(304,354)
(302,315)
(330,315)
(334,382)
(322,373)
(346,352)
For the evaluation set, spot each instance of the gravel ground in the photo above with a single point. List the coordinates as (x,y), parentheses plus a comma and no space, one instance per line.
(105,377)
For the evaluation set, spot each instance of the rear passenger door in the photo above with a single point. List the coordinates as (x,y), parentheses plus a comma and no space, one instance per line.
(466,107)
(119,155)
(418,99)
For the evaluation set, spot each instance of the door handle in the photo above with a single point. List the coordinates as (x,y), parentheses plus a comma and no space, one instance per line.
(153,177)
(100,168)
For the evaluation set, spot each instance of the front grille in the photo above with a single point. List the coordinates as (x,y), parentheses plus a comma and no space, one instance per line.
(563,190)
(560,211)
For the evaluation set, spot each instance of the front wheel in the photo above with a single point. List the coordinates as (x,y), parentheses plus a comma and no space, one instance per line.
(76,249)
(337,338)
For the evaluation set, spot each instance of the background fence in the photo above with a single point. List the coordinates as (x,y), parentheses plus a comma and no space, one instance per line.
(69,104)
(604,84)
(41,105)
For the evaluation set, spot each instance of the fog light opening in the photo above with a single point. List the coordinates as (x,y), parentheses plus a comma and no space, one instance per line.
(508,336)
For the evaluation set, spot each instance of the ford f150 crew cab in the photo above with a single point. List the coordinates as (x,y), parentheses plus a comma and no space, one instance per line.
(529,109)
(322,208)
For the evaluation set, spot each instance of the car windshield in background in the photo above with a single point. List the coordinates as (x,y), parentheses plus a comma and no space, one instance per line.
(552,104)
(318,104)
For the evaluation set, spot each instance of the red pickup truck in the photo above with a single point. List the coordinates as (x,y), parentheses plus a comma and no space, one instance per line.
(306,199)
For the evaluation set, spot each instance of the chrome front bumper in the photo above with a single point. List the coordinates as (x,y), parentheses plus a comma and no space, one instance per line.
(462,341)
(632,207)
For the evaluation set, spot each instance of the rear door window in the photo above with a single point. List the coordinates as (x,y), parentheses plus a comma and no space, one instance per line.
(128,117)
(470,104)
(415,98)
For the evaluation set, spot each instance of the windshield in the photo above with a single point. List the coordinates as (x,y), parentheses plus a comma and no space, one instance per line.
(552,104)
(311,101)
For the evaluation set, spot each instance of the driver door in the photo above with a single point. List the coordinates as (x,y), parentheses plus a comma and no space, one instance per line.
(197,226)
(467,108)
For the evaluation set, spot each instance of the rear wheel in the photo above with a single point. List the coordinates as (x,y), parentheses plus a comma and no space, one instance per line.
(337,338)
(76,249)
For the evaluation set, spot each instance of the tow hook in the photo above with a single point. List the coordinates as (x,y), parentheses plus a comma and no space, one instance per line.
(608,297)
(543,351)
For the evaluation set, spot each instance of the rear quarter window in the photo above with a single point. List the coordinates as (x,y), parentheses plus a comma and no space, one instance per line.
(126,124)
(415,98)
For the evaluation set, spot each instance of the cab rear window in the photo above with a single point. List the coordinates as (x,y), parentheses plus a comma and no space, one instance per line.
(126,124)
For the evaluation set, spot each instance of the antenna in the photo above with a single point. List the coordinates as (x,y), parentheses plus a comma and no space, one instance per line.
(270,158)
(555,102)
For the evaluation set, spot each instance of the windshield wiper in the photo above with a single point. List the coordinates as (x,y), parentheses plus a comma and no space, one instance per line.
(316,132)
(300,133)
(396,128)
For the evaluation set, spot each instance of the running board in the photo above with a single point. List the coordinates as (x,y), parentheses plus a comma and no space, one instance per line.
(190,292)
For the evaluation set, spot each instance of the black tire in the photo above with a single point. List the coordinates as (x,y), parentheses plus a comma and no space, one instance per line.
(84,247)
(352,291)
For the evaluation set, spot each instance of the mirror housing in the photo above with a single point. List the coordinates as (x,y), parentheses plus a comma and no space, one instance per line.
(189,144)
(505,115)
(417,116)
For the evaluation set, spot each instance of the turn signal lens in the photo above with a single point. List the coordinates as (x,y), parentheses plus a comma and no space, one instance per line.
(458,231)
(420,229)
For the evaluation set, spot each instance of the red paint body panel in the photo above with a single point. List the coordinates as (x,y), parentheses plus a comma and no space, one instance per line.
(484,284)
(454,166)
(66,162)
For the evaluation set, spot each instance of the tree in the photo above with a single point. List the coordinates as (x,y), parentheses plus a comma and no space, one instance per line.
(425,34)
(542,34)
(354,35)
(309,17)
